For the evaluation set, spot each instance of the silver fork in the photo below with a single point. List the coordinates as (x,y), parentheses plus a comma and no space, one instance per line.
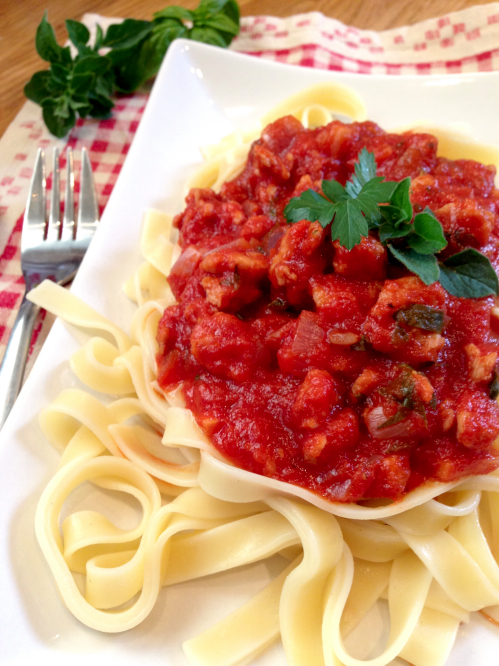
(49,250)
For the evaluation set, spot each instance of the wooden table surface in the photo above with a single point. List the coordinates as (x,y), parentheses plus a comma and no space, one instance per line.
(19,19)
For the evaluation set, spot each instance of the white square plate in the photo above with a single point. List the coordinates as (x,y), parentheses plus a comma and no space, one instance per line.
(201,94)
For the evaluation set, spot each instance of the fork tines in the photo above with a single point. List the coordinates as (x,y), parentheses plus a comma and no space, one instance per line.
(88,213)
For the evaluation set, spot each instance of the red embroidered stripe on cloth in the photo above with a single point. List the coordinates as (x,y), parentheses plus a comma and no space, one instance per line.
(460,42)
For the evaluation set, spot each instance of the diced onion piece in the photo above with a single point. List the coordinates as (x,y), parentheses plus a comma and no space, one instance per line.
(375,418)
(342,338)
(308,334)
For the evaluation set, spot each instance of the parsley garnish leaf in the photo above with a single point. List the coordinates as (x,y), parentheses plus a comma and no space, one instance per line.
(469,274)
(379,189)
(310,206)
(364,169)
(370,208)
(349,224)
(334,190)
(352,209)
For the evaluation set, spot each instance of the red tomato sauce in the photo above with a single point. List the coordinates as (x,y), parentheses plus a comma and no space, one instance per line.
(338,371)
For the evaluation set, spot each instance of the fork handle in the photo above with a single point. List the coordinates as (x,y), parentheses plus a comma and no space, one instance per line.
(14,360)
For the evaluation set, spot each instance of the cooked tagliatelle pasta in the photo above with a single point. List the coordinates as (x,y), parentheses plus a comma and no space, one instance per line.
(432,554)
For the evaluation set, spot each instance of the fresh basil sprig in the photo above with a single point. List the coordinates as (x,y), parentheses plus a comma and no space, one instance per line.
(138,47)
(355,208)
(85,85)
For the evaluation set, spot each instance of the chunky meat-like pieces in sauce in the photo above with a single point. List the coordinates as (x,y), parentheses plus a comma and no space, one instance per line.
(369,254)
(344,303)
(226,346)
(335,370)
(301,254)
(318,393)
(399,335)
(396,402)
(339,432)
(231,274)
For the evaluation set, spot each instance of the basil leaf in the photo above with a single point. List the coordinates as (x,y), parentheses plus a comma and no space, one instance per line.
(388,231)
(92,64)
(207,36)
(36,89)
(349,225)
(223,24)
(99,37)
(425,266)
(209,8)
(178,13)
(46,44)
(163,34)
(334,190)
(127,34)
(469,274)
(86,83)
(400,199)
(428,237)
(133,67)
(309,206)
(231,9)
(78,33)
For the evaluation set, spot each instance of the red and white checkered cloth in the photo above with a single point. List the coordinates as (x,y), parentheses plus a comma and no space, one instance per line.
(466,41)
